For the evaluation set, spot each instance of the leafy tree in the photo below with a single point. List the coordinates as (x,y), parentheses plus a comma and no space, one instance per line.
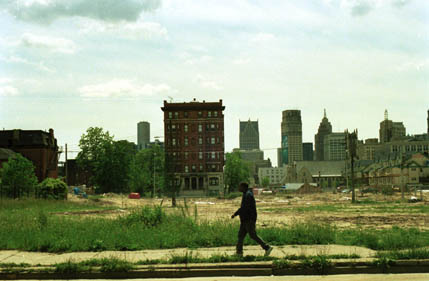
(52,189)
(265,182)
(107,161)
(93,145)
(147,171)
(18,176)
(235,171)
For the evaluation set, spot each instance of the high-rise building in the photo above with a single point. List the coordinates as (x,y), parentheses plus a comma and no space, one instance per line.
(249,135)
(325,128)
(194,145)
(291,142)
(428,122)
(390,130)
(334,146)
(143,134)
(307,151)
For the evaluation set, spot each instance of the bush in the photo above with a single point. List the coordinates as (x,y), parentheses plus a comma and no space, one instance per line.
(233,195)
(52,189)
(17,176)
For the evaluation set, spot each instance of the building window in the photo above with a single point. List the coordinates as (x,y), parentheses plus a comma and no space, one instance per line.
(173,127)
(201,167)
(218,140)
(213,155)
(173,142)
(215,114)
(213,181)
(200,114)
(213,140)
(185,128)
(186,169)
(212,127)
(200,155)
(200,128)
(186,141)
(186,155)
(194,168)
(185,114)
(176,115)
(209,114)
(170,115)
(200,140)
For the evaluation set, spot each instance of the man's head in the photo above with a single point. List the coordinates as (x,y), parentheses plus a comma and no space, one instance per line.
(243,187)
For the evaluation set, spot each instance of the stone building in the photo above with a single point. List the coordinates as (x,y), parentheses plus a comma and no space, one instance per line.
(325,128)
(390,130)
(143,134)
(291,134)
(274,175)
(194,145)
(334,146)
(38,146)
(249,135)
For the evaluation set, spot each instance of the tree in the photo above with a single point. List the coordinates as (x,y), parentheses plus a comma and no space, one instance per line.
(18,176)
(52,189)
(92,145)
(147,171)
(235,171)
(112,171)
(265,182)
(107,161)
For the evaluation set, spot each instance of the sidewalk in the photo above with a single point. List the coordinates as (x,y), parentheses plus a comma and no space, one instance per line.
(36,258)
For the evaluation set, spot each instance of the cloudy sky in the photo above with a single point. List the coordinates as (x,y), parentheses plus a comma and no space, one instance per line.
(73,64)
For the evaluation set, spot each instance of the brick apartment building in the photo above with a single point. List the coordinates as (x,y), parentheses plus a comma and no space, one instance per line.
(194,145)
(38,146)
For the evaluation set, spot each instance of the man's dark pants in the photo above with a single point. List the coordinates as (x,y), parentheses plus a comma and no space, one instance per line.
(248,226)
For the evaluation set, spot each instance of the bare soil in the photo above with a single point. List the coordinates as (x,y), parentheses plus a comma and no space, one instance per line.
(381,211)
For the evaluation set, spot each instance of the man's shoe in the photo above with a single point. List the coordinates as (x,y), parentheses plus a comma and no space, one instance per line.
(268,251)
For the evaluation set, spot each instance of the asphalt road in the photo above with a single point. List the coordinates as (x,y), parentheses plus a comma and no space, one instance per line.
(354,277)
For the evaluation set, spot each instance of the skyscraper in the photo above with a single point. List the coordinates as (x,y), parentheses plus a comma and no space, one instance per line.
(428,122)
(249,135)
(390,130)
(325,128)
(291,130)
(143,134)
(307,151)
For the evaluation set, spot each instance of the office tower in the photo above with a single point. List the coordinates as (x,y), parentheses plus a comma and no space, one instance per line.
(307,151)
(194,145)
(390,130)
(325,128)
(249,135)
(335,146)
(291,133)
(143,134)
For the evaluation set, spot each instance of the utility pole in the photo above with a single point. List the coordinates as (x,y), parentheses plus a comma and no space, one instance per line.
(66,168)
(351,142)
(402,176)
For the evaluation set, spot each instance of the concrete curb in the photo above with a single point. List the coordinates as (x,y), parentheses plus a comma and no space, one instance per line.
(225,269)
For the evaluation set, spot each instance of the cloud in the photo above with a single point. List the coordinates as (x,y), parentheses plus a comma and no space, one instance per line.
(46,11)
(117,88)
(208,83)
(240,61)
(6,90)
(60,45)
(40,66)
(416,65)
(358,7)
(400,3)
(137,30)
(263,37)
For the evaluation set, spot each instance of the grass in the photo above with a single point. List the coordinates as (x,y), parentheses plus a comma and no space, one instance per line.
(32,225)
(408,254)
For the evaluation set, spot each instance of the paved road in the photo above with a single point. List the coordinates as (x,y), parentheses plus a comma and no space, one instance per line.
(355,277)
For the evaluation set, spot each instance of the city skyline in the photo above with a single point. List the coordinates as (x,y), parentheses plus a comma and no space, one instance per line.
(69,65)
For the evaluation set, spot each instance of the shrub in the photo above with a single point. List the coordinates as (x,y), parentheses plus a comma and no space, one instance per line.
(233,195)
(52,189)
(17,176)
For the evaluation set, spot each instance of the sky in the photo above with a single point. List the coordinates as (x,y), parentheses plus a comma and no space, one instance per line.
(70,65)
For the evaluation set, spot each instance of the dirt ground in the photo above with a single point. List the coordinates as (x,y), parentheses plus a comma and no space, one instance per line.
(336,209)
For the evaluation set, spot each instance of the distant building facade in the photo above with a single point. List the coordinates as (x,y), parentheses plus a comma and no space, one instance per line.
(307,151)
(274,175)
(249,135)
(38,146)
(325,128)
(366,150)
(194,145)
(291,137)
(390,130)
(334,146)
(143,134)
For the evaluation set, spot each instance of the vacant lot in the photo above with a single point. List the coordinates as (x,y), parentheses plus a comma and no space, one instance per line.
(372,210)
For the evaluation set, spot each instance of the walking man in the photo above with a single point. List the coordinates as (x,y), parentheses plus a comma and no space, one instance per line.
(248,215)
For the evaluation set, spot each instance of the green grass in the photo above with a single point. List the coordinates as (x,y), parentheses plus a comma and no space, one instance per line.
(33,226)
(421,253)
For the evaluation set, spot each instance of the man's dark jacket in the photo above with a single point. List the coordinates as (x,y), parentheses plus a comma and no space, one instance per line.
(247,211)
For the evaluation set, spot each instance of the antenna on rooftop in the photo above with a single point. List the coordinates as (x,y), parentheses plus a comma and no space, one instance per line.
(386,115)
(170,98)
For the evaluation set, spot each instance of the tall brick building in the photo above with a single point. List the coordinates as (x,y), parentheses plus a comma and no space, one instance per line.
(194,145)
